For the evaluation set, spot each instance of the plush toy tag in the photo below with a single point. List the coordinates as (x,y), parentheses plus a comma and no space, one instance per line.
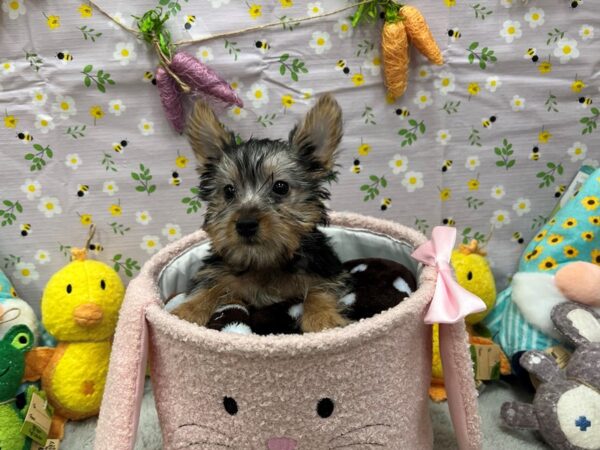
(38,420)
(486,359)
(51,444)
(560,354)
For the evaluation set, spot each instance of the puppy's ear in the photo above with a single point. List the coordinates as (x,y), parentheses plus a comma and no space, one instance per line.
(320,132)
(206,134)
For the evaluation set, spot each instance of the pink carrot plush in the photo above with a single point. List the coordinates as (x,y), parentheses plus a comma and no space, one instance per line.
(171,99)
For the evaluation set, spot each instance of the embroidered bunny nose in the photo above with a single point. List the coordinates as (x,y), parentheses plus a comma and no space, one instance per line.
(281,443)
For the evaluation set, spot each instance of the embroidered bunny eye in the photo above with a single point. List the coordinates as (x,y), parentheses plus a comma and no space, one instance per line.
(230,406)
(325,407)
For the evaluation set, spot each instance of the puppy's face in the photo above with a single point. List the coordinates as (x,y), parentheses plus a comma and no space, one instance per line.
(264,195)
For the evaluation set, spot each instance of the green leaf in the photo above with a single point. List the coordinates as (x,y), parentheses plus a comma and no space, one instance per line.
(88,68)
(383,182)
(151,189)
(374,178)
(402,132)
(595,111)
(474,45)
(412,122)
(284,57)
(19,207)
(422,128)
(294,76)
(38,147)
(87,81)
(282,69)
(117,257)
(135,176)
(511,163)
(49,153)
(101,88)
(7,203)
(500,163)
(471,58)
(364,187)
(140,188)
(482,64)
(29,156)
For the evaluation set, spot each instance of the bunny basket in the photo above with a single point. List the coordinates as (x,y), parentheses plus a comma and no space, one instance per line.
(361,386)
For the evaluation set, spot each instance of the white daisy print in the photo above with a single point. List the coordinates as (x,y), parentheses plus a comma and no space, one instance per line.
(314,9)
(566,49)
(50,206)
(586,32)
(38,97)
(237,113)
(343,28)
(258,94)
(423,99)
(412,181)
(473,162)
(7,67)
(64,106)
(172,231)
(143,217)
(500,218)
(498,192)
(236,85)
(535,17)
(146,127)
(443,137)
(445,82)
(398,164)
(577,151)
(25,272)
(44,123)
(42,257)
(522,206)
(218,3)
(506,3)
(492,83)
(73,161)
(320,42)
(591,162)
(205,54)
(118,17)
(373,62)
(116,107)
(110,188)
(423,73)
(125,52)
(14,8)
(511,30)
(517,103)
(32,189)
(151,244)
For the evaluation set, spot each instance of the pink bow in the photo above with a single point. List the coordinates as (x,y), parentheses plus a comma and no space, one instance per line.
(451,302)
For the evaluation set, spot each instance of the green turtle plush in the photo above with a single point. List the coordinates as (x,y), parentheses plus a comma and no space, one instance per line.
(13,346)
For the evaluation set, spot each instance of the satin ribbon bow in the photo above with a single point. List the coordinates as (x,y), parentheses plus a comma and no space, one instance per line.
(451,302)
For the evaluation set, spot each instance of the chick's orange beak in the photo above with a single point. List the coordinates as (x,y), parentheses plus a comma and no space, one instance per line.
(88,315)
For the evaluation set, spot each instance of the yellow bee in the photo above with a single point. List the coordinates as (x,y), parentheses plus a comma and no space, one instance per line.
(175,180)
(535,153)
(386,203)
(341,65)
(560,190)
(25,229)
(518,237)
(96,248)
(531,53)
(403,113)
(447,165)
(576,3)
(64,56)
(119,146)
(487,123)
(449,221)
(585,101)
(454,34)
(263,46)
(25,137)
(356,168)
(82,189)
(189,22)
(149,77)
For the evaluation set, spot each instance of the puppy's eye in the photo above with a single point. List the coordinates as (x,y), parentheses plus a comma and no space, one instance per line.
(325,407)
(281,187)
(229,191)
(230,406)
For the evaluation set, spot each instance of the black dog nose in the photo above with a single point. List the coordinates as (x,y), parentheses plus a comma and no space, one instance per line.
(246,227)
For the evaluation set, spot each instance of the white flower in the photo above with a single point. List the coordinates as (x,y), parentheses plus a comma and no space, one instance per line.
(14,8)
(110,187)
(118,17)
(500,218)
(237,113)
(412,181)
(32,189)
(517,103)
(236,84)
(566,49)
(125,52)
(25,272)
(205,54)
(522,206)
(218,3)
(259,94)
(591,162)
(307,95)
(535,17)
(146,127)
(50,206)
(44,123)
(443,137)
(314,9)
(172,231)
(65,106)
(398,163)
(492,83)
(7,67)
(143,217)
(42,256)
(445,82)
(423,99)
(586,32)
(506,3)
(424,73)
(577,151)
(373,62)
(472,162)
(343,28)
(151,244)
(511,30)
(73,161)
(38,97)
(116,107)
(320,42)
(498,192)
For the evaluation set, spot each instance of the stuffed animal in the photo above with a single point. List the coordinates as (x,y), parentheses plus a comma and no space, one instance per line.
(13,346)
(566,407)
(80,307)
(15,311)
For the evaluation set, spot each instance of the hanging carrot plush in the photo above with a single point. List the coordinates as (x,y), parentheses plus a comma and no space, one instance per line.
(420,35)
(396,57)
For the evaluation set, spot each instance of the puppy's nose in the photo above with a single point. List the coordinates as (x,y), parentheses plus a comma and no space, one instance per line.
(246,226)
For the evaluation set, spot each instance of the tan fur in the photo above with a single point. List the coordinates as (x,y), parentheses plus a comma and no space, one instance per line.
(321,312)
(206,134)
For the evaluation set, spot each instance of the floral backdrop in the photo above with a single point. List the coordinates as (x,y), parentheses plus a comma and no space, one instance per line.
(486,142)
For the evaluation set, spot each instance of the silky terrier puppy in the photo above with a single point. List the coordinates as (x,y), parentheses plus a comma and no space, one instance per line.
(265,200)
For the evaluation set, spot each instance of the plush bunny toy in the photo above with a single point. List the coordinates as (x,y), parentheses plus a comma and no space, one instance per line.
(566,407)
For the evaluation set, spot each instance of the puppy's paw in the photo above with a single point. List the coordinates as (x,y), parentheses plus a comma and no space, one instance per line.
(322,320)
(192,313)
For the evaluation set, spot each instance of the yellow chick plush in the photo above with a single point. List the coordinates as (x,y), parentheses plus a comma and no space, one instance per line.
(80,308)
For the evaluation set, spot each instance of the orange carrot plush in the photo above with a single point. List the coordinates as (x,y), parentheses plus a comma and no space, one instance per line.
(420,35)
(394,49)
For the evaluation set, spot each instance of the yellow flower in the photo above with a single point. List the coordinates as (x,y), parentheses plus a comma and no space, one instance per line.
(544,136)
(286,3)
(596,257)
(545,67)
(450,3)
(548,264)
(115,210)
(85,219)
(473,88)
(96,112)
(473,184)
(181,161)
(445,194)
(555,239)
(53,22)
(570,223)
(570,251)
(590,202)
(255,11)
(10,121)
(533,254)
(364,149)
(587,236)
(577,86)
(540,235)
(595,220)
(85,11)
(287,101)
(358,79)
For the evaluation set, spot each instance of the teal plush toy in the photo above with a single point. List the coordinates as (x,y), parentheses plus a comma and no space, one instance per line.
(14,310)
(13,347)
